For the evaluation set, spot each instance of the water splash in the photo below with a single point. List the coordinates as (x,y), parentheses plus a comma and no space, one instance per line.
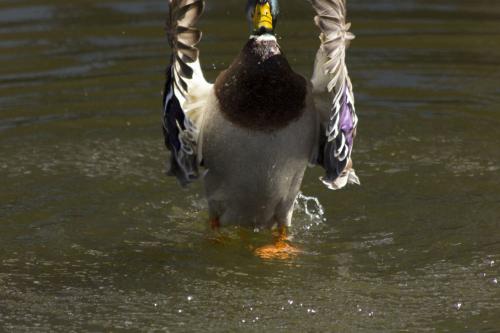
(311,207)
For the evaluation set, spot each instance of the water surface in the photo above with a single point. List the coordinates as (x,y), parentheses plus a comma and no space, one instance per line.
(94,237)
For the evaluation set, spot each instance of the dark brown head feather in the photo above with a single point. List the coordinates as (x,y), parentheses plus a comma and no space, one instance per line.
(259,90)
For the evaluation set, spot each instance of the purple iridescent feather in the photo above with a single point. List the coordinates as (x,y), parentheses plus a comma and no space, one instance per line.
(346,122)
(337,151)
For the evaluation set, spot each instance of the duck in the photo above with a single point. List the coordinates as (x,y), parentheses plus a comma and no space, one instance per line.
(251,134)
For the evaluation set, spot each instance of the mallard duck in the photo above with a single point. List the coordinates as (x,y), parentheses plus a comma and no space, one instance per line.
(256,129)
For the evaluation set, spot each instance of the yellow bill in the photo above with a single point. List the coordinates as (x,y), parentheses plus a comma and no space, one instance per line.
(263,17)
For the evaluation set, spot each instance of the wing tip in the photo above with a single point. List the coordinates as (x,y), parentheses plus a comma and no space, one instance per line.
(347,177)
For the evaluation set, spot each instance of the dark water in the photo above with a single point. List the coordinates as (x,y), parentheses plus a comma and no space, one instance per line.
(93,237)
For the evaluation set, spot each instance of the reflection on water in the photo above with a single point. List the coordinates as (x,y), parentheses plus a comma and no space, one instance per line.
(94,236)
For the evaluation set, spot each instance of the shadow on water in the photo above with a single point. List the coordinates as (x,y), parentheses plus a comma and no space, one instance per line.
(95,237)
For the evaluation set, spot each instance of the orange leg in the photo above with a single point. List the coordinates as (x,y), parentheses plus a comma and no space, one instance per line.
(215,224)
(282,234)
(217,237)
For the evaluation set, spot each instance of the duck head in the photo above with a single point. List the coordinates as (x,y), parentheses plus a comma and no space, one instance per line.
(262,16)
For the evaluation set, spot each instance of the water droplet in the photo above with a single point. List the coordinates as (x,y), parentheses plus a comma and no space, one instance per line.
(243,321)
(180,310)
(495,281)
(155,305)
(282,308)
(190,298)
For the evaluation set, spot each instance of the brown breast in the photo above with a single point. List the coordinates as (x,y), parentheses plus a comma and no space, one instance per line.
(259,90)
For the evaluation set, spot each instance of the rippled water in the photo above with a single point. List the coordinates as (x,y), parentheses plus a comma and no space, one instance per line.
(94,237)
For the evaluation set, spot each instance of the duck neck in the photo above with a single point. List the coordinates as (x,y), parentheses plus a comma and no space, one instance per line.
(263,47)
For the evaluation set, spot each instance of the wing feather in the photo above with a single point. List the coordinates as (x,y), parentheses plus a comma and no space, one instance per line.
(331,75)
(185,87)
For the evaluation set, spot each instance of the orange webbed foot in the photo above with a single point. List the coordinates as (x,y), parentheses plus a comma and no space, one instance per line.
(281,249)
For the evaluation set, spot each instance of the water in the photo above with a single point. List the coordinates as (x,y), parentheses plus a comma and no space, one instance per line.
(95,238)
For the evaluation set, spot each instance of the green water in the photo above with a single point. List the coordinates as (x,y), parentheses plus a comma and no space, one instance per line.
(94,237)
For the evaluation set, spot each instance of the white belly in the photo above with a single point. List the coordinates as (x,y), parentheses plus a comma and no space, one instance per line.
(253,177)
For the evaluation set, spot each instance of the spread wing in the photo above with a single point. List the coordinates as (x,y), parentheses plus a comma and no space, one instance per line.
(185,89)
(339,121)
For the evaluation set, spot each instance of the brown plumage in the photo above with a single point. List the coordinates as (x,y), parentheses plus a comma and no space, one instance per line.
(260,91)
